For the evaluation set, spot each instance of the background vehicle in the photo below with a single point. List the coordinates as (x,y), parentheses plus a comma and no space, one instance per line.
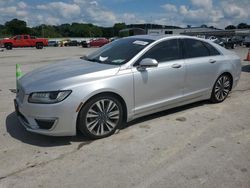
(72,43)
(24,41)
(126,79)
(53,43)
(225,42)
(246,41)
(237,40)
(98,42)
(85,43)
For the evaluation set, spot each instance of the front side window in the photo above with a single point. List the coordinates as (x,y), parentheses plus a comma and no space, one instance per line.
(165,51)
(195,48)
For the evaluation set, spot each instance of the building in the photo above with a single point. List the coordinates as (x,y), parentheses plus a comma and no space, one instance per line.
(198,31)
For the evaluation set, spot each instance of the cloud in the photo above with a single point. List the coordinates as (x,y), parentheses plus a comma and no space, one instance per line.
(65,10)
(191,12)
(209,12)
(169,7)
(205,4)
(22,5)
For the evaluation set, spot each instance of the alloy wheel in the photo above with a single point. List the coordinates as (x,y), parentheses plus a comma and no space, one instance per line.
(102,117)
(222,88)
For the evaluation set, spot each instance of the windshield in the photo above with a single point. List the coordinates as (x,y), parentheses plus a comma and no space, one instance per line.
(119,52)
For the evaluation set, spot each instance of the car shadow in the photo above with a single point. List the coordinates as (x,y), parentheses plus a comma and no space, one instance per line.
(167,112)
(246,68)
(17,131)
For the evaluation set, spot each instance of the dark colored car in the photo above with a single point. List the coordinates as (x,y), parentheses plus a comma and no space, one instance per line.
(98,42)
(53,43)
(85,44)
(237,40)
(72,43)
(225,42)
(246,41)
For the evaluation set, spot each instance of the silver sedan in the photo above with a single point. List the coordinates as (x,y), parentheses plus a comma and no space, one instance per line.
(124,80)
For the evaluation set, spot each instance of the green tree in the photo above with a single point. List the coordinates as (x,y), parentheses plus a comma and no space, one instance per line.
(230,27)
(117,27)
(16,27)
(242,26)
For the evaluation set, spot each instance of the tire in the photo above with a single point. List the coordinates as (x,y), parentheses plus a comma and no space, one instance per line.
(221,88)
(8,46)
(39,45)
(100,117)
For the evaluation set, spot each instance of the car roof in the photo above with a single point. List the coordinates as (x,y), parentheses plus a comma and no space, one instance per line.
(158,37)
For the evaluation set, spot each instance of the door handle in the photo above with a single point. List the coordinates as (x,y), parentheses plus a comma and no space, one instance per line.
(176,66)
(212,61)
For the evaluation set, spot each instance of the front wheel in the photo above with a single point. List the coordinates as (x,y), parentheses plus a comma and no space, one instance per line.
(100,117)
(8,46)
(221,88)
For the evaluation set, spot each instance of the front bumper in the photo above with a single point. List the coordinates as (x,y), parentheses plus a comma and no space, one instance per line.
(47,119)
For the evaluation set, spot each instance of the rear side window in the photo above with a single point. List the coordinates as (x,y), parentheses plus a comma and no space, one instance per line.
(195,48)
(164,51)
(25,37)
(211,49)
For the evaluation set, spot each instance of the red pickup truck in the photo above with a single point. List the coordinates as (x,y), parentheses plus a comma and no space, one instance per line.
(23,41)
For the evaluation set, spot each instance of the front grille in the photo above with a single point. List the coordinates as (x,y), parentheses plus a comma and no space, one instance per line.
(45,123)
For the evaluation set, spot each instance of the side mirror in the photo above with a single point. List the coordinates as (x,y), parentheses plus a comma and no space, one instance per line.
(147,63)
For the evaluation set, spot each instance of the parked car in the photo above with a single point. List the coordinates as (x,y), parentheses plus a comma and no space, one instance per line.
(126,79)
(212,38)
(225,42)
(98,42)
(23,41)
(72,43)
(85,43)
(237,40)
(53,43)
(246,41)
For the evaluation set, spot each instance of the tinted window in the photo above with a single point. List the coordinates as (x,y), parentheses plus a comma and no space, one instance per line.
(25,37)
(195,48)
(212,50)
(19,37)
(165,51)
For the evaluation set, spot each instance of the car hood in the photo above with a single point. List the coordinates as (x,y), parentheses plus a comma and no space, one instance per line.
(64,74)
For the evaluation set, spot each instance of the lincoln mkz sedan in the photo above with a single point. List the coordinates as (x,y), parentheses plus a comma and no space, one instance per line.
(126,79)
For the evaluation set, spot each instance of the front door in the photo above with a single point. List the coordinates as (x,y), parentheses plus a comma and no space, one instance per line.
(159,86)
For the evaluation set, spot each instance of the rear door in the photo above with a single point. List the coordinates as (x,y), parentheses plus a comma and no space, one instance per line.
(202,63)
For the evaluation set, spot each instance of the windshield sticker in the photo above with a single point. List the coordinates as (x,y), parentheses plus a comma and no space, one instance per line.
(118,61)
(143,43)
(103,58)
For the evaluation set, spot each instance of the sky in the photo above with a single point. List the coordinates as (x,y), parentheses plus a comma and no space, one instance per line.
(218,13)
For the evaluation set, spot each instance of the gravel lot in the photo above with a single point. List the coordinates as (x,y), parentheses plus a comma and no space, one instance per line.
(198,145)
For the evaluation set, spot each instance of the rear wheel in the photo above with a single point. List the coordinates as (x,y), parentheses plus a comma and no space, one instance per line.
(221,88)
(100,117)
(39,45)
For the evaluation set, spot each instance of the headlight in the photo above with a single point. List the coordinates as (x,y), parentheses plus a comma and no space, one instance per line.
(48,97)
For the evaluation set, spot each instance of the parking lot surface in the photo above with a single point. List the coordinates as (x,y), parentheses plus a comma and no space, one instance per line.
(198,145)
